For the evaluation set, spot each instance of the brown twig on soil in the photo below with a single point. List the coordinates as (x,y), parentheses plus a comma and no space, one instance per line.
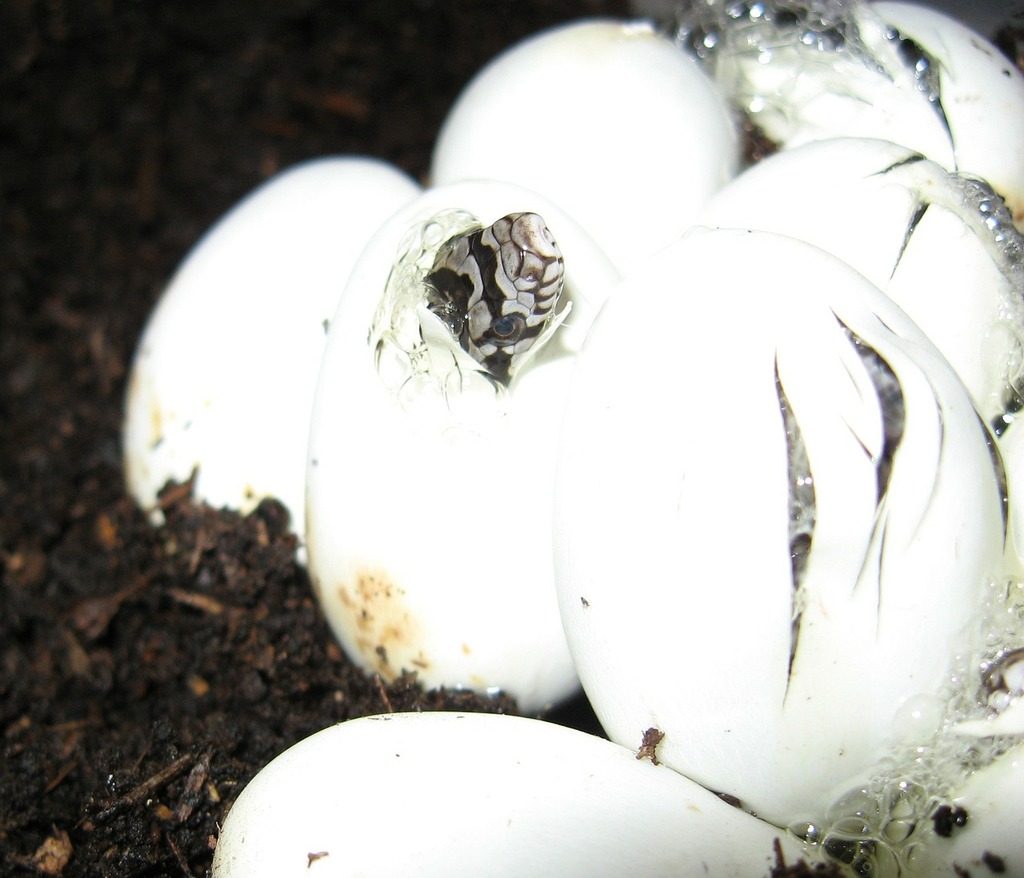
(146,788)
(197,601)
(383,693)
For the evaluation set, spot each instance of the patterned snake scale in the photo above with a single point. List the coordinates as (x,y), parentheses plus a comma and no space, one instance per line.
(496,289)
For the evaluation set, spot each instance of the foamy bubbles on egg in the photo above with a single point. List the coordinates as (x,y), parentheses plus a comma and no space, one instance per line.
(882,828)
(816,34)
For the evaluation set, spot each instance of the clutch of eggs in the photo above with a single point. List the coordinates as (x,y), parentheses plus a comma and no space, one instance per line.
(779,517)
(428,499)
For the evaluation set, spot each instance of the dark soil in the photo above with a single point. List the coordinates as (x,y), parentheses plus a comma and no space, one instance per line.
(146,675)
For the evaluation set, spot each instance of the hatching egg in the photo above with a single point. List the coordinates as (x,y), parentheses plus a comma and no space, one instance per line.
(223,377)
(895,71)
(979,90)
(432,445)
(608,120)
(776,510)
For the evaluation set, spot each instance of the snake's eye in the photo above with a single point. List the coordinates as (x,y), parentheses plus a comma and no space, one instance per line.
(508,328)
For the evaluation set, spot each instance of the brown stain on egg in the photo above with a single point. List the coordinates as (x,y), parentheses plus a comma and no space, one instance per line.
(141,392)
(386,635)
(156,424)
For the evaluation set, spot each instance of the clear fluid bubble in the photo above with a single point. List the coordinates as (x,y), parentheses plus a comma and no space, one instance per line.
(876,830)
(918,718)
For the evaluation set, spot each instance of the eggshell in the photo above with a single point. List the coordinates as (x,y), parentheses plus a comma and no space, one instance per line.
(674,562)
(857,70)
(429,511)
(606,118)
(909,227)
(454,795)
(800,79)
(224,374)
(982,94)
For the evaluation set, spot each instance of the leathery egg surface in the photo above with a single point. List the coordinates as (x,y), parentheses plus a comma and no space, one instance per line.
(223,377)
(429,483)
(480,794)
(776,511)
(606,118)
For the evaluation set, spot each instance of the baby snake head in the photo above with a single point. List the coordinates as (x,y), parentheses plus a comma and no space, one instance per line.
(496,289)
